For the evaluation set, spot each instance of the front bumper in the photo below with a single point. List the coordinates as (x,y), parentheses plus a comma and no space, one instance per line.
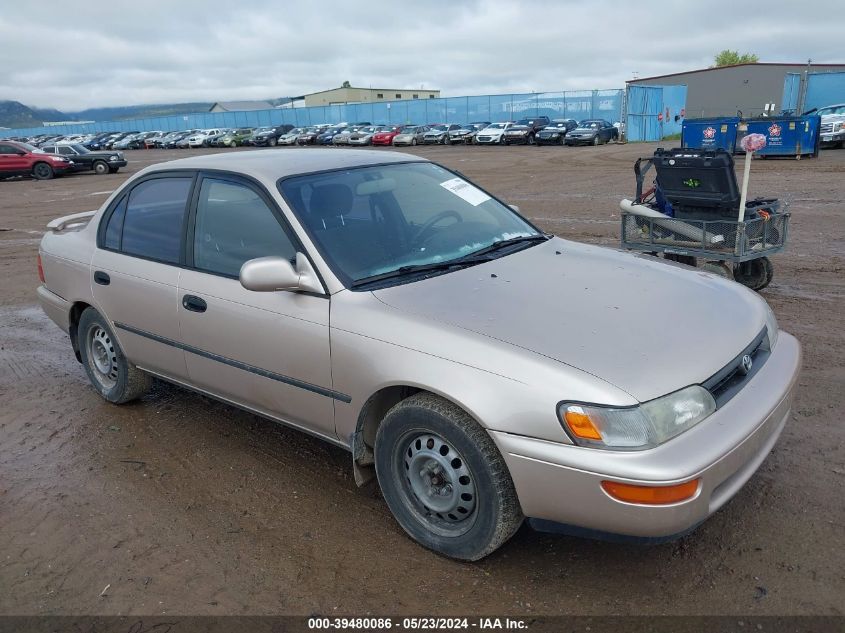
(578,140)
(833,137)
(487,140)
(561,483)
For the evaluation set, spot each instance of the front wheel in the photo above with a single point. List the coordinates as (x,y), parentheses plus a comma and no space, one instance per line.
(272,142)
(755,274)
(110,373)
(101,168)
(596,140)
(444,480)
(42,171)
(413,141)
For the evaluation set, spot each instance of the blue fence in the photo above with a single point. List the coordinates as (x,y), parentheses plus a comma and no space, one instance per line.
(655,112)
(822,89)
(582,104)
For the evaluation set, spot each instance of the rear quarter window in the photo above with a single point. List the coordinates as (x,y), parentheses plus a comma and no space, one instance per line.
(154,216)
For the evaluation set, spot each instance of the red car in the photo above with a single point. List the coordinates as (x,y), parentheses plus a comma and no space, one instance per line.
(386,137)
(21,159)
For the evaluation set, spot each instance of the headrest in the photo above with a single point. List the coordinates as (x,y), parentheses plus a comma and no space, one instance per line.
(330,201)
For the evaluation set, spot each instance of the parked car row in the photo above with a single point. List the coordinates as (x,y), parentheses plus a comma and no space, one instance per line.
(46,162)
(529,131)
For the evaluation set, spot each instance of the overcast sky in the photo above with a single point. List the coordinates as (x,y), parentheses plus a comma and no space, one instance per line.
(75,55)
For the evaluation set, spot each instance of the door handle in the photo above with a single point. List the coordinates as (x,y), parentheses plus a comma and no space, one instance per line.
(194,304)
(101,278)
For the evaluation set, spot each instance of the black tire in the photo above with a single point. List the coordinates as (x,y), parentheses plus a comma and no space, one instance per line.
(562,141)
(101,167)
(755,274)
(689,260)
(530,140)
(596,140)
(457,457)
(42,171)
(110,373)
(413,141)
(271,142)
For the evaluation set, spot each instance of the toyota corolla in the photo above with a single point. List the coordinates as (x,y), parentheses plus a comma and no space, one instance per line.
(482,370)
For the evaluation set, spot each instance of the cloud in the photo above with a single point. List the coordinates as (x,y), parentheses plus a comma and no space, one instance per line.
(77,55)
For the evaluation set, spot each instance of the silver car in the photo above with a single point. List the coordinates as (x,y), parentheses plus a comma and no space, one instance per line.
(483,370)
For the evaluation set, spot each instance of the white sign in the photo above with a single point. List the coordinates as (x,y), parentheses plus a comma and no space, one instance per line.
(463,189)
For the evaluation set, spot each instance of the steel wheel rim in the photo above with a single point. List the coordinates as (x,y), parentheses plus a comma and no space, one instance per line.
(438,485)
(103,357)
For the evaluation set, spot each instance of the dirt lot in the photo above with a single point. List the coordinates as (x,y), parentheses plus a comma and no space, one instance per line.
(181,505)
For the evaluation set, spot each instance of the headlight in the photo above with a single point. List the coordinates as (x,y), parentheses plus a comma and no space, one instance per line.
(113,158)
(771,327)
(640,427)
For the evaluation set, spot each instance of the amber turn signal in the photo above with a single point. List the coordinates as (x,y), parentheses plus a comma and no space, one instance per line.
(581,425)
(651,495)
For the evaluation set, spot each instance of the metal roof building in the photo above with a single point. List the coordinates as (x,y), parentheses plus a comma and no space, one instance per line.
(724,90)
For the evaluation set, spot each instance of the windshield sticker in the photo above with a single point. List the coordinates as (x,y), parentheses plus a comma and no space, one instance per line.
(463,189)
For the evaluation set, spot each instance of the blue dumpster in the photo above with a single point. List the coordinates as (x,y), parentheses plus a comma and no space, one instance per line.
(718,133)
(785,136)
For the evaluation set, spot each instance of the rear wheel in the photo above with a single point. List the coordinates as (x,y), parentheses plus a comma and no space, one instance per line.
(108,370)
(101,167)
(42,171)
(444,479)
(755,274)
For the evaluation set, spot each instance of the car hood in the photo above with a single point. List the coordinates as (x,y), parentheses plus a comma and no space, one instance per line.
(645,325)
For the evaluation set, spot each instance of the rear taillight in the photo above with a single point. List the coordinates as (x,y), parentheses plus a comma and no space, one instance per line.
(41,270)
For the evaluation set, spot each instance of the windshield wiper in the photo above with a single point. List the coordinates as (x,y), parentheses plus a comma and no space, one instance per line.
(478,257)
(495,246)
(404,271)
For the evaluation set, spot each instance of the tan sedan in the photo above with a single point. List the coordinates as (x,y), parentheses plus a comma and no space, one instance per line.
(482,370)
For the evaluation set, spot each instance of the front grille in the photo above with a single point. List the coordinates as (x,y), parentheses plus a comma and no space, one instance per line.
(826,128)
(728,381)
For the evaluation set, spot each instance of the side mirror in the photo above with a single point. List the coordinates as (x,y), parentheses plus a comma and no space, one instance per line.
(269,274)
(514,207)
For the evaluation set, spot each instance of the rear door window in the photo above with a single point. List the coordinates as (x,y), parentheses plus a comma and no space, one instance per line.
(155,214)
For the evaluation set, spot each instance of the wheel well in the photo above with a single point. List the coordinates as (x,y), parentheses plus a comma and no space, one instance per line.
(76,311)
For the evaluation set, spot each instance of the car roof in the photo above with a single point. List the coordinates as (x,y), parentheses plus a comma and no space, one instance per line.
(271,165)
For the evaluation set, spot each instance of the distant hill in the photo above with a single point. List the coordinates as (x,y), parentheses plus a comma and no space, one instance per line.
(16,115)
(137,112)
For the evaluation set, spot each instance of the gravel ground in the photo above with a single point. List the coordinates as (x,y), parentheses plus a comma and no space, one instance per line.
(182,505)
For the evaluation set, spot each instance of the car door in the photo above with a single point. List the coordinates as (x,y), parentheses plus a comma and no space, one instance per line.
(11,161)
(268,351)
(136,266)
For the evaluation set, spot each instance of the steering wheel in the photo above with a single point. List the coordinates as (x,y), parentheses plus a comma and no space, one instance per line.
(421,235)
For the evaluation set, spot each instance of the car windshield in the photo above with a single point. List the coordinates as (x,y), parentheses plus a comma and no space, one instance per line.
(439,128)
(588,124)
(556,124)
(496,126)
(261,130)
(837,109)
(31,148)
(377,220)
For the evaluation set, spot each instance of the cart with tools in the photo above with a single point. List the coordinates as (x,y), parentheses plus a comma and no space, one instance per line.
(691,214)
